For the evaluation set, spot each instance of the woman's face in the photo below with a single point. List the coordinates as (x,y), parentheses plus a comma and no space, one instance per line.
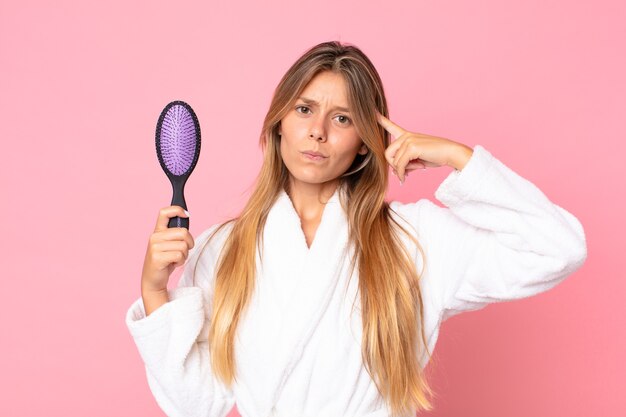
(320,121)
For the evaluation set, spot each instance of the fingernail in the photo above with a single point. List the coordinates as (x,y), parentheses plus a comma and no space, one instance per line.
(186,212)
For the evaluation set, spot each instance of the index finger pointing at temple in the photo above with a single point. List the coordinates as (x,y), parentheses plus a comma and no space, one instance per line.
(389,126)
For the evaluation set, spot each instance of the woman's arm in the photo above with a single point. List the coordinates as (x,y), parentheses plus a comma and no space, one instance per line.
(173,344)
(499,237)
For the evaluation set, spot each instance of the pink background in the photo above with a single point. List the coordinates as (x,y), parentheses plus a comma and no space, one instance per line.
(539,83)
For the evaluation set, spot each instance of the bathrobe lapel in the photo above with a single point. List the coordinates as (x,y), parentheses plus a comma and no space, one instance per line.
(294,285)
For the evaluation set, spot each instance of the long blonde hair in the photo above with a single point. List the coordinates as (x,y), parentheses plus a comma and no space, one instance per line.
(391,302)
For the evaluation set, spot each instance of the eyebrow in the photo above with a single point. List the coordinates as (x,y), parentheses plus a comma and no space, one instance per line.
(311,101)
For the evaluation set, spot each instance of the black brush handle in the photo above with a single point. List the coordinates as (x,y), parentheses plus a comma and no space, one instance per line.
(178,199)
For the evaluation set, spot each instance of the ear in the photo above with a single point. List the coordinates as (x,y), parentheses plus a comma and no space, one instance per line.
(363,150)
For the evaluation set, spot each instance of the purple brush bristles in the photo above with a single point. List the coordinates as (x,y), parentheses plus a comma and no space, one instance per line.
(178,139)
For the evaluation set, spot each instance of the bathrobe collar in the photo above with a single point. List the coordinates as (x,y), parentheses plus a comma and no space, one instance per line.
(293,288)
(284,211)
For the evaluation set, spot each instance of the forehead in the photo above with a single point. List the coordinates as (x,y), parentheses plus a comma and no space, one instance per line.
(327,86)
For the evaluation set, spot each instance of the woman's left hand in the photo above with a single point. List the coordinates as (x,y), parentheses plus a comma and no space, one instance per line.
(411,150)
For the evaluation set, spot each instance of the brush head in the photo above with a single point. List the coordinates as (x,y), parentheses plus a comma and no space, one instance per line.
(178,139)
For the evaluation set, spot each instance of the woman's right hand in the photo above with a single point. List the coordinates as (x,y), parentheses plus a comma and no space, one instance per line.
(167,249)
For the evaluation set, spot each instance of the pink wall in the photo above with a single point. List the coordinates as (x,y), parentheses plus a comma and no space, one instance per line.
(538,83)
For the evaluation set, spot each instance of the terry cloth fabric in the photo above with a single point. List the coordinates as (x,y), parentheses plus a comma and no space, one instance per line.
(298,347)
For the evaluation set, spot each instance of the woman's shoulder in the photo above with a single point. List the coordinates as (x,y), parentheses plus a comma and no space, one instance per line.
(411,212)
(203,257)
(219,231)
(213,237)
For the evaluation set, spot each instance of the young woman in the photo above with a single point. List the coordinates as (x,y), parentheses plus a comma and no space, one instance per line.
(321,298)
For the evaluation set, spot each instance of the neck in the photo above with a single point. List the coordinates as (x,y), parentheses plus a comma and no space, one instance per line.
(308,199)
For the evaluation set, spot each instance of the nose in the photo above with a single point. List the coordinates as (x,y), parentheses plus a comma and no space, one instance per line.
(317,130)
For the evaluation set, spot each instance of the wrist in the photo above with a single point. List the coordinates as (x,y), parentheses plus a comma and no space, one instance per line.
(152,300)
(459,156)
(147,289)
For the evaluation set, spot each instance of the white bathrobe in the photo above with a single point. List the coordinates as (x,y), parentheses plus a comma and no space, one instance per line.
(298,348)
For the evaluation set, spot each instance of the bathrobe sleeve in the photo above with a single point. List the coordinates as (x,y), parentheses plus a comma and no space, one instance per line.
(173,343)
(498,238)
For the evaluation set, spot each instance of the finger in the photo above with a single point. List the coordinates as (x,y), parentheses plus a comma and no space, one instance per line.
(392,149)
(189,238)
(173,257)
(179,234)
(429,164)
(393,159)
(397,163)
(175,234)
(401,150)
(422,163)
(389,126)
(405,154)
(415,164)
(165,214)
(171,246)
(401,161)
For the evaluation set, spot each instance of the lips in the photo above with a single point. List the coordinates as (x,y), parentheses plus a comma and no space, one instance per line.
(313,153)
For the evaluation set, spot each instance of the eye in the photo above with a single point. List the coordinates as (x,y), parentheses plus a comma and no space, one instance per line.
(344,120)
(303,107)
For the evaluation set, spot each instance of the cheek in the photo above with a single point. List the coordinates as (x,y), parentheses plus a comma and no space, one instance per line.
(291,133)
(347,146)
(287,145)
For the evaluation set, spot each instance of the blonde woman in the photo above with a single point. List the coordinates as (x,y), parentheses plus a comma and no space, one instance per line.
(321,298)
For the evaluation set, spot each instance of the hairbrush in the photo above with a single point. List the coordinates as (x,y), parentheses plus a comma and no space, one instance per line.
(178,149)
